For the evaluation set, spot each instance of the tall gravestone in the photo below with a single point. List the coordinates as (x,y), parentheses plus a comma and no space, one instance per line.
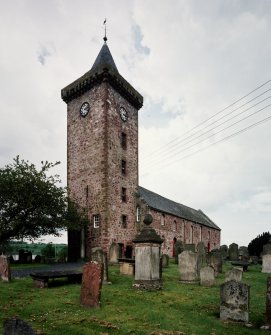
(178,249)
(214,259)
(267,325)
(268,302)
(165,260)
(148,274)
(233,252)
(188,267)
(224,251)
(98,255)
(114,253)
(266,267)
(5,268)
(234,301)
(92,279)
(201,251)
(243,253)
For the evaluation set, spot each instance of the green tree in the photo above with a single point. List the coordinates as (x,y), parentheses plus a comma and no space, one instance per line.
(255,247)
(33,204)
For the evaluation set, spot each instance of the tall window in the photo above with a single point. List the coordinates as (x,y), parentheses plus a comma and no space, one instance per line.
(123,167)
(124,141)
(162,219)
(96,220)
(123,194)
(175,225)
(124,221)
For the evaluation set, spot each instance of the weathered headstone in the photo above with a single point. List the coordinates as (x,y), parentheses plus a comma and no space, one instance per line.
(201,251)
(188,267)
(207,276)
(267,249)
(266,268)
(214,259)
(5,268)
(234,301)
(243,253)
(224,251)
(92,279)
(148,274)
(98,255)
(165,260)
(16,326)
(114,253)
(178,249)
(233,252)
(234,274)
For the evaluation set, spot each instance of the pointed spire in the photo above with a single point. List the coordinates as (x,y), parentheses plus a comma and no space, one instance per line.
(104,59)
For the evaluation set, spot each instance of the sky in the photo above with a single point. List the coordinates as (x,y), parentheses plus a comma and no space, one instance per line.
(203,68)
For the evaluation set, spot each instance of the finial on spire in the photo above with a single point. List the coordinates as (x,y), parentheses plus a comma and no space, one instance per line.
(105,38)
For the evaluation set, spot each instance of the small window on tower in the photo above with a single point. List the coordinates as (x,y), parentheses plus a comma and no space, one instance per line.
(163,219)
(124,141)
(137,214)
(123,194)
(124,221)
(123,167)
(96,221)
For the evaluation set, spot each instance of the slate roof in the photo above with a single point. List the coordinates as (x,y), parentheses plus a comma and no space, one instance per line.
(161,204)
(104,68)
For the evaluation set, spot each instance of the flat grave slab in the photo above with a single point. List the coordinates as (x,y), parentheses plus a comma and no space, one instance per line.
(41,279)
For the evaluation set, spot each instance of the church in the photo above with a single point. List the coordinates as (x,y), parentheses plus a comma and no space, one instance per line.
(102,170)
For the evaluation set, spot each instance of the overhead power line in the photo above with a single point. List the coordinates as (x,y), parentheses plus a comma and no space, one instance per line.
(180,139)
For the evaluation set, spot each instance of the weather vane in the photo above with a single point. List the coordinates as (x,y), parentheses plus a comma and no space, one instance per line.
(105,38)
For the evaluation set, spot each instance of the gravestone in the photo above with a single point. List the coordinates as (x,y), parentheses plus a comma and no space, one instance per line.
(267,249)
(114,251)
(214,259)
(165,260)
(266,267)
(5,268)
(178,249)
(234,301)
(207,276)
(188,267)
(201,251)
(148,274)
(16,326)
(233,252)
(268,302)
(190,247)
(127,267)
(98,255)
(224,251)
(243,253)
(92,279)
(234,274)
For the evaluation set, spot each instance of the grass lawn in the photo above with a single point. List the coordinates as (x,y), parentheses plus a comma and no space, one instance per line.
(177,309)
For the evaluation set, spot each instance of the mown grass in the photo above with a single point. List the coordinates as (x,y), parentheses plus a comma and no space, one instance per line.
(178,308)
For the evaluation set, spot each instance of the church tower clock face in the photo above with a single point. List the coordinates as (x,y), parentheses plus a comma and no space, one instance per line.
(84,109)
(123,114)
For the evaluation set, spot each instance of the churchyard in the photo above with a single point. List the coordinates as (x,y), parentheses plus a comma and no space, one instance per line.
(179,308)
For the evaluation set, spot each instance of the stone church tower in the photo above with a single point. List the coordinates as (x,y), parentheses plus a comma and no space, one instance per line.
(102,141)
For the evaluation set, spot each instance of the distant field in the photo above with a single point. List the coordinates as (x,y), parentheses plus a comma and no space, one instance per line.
(178,308)
(35,248)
